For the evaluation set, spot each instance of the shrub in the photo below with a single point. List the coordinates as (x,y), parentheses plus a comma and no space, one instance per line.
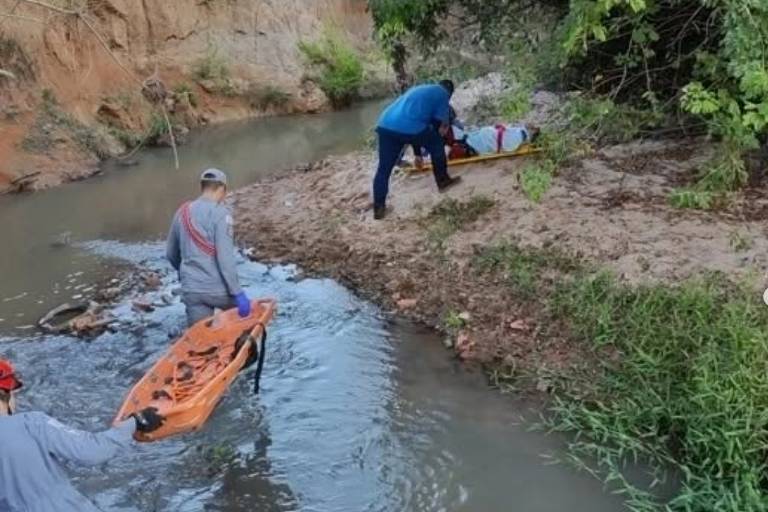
(339,68)
(211,66)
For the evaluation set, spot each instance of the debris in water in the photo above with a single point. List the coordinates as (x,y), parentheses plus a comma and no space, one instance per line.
(16,297)
(25,327)
(77,319)
(151,280)
(62,240)
(143,305)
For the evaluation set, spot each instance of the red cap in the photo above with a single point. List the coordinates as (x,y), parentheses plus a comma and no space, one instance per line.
(8,379)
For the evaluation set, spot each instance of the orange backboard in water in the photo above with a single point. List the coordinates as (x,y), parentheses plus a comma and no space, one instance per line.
(189,380)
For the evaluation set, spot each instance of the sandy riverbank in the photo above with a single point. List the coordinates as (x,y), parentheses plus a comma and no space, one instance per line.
(608,210)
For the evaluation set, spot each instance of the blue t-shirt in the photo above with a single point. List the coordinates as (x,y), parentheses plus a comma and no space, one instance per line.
(415,110)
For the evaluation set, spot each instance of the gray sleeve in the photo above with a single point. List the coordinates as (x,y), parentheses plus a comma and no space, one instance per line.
(225,252)
(172,246)
(81,447)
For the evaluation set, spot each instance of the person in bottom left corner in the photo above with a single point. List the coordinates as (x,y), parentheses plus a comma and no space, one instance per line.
(33,443)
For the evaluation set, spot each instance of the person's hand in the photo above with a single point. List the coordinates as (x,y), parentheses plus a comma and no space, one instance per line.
(148,420)
(418,162)
(243,304)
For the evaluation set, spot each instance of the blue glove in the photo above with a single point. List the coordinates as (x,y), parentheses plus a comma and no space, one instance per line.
(243,304)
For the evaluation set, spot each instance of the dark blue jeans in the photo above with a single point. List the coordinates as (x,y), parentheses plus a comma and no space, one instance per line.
(391,144)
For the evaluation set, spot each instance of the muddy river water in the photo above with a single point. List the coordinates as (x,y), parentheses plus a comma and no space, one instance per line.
(357,413)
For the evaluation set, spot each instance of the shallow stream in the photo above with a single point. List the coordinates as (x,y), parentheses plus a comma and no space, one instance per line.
(357,412)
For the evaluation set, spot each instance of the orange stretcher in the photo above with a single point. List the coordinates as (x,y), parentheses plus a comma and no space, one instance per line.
(187,383)
(525,149)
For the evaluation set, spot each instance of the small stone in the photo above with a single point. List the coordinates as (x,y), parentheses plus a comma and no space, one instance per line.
(109,293)
(466,316)
(543,385)
(151,280)
(447,342)
(406,303)
(519,325)
(141,305)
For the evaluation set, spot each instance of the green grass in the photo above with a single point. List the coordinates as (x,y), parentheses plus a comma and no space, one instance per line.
(450,216)
(679,383)
(687,390)
(452,321)
(526,270)
(687,198)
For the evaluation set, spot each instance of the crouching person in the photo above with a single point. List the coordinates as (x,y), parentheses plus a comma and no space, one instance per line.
(32,445)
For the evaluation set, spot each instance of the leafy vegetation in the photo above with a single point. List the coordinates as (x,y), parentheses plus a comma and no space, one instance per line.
(339,68)
(682,381)
(687,394)
(535,180)
(642,64)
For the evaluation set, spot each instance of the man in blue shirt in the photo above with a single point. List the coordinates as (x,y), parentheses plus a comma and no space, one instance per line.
(419,118)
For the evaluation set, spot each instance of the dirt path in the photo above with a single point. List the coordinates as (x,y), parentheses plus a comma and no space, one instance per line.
(610,210)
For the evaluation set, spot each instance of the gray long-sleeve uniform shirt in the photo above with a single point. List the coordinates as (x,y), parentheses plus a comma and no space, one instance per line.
(32,443)
(200,272)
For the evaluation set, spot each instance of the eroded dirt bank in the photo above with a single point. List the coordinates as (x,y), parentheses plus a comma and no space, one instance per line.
(72,73)
(609,210)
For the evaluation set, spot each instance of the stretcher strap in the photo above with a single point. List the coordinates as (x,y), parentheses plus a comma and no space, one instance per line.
(500,129)
(197,238)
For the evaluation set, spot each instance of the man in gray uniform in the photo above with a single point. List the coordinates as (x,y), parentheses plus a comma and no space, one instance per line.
(201,248)
(33,444)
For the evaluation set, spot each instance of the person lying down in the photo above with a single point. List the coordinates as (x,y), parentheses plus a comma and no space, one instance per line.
(484,140)
(487,140)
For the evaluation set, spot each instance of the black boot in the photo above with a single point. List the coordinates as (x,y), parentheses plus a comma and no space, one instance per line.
(379,212)
(448,183)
